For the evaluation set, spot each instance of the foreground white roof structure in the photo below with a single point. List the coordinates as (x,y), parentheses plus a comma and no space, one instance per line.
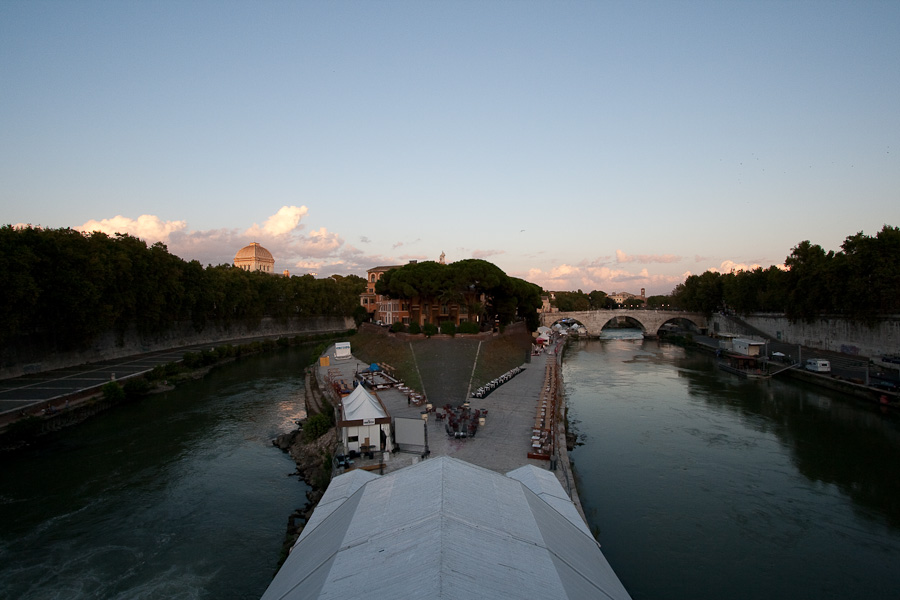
(446,529)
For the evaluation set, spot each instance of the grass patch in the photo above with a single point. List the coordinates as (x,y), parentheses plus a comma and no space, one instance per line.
(498,354)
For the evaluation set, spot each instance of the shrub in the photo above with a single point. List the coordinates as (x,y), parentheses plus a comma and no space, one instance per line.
(448,327)
(192,360)
(430,329)
(398,327)
(316,426)
(415,329)
(113,391)
(468,327)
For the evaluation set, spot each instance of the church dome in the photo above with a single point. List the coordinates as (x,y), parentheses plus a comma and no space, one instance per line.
(254,257)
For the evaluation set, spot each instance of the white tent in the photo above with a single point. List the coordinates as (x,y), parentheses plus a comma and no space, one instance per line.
(364,421)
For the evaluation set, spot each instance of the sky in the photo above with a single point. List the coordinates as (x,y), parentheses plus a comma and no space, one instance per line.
(594,145)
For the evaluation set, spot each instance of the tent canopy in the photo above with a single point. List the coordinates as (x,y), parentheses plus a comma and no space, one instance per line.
(360,404)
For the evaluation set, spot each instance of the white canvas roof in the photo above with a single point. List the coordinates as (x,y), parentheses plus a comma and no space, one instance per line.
(360,404)
(446,529)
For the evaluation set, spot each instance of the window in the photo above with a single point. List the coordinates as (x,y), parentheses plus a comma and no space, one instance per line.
(352,438)
(445,310)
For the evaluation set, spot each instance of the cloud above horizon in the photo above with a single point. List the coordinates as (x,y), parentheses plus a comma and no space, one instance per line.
(325,252)
(279,233)
(147,227)
(621,257)
(592,277)
(286,220)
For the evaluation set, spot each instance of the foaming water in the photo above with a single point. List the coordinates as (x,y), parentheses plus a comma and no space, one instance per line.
(703,485)
(181,495)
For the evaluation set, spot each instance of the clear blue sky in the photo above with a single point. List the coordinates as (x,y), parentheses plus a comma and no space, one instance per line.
(592,145)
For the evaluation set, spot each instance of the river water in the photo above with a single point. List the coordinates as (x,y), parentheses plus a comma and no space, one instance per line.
(699,484)
(181,495)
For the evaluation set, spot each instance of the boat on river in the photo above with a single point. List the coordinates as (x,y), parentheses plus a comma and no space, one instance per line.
(741,365)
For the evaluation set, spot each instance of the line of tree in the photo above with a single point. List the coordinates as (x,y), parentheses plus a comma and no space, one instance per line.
(65,288)
(507,299)
(597,300)
(860,282)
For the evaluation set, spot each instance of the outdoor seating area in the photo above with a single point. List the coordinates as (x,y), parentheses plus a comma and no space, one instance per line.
(335,379)
(412,396)
(489,387)
(462,421)
(544,418)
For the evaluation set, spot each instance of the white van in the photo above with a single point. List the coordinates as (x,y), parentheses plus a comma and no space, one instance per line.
(818,365)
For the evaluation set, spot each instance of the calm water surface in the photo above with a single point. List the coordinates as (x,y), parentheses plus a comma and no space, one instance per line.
(181,495)
(703,485)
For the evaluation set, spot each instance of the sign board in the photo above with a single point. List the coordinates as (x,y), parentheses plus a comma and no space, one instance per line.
(368,421)
(342,350)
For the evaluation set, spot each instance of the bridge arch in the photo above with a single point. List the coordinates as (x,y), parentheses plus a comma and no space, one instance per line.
(649,321)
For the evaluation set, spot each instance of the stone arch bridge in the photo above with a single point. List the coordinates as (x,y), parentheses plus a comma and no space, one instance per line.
(649,321)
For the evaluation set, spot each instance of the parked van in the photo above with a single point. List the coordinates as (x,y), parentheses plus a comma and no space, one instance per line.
(818,365)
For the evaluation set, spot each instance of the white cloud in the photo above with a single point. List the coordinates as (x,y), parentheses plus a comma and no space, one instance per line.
(283,222)
(320,243)
(149,228)
(588,278)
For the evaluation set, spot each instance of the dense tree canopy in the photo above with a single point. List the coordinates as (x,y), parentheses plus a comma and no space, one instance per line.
(507,298)
(860,282)
(67,287)
(573,301)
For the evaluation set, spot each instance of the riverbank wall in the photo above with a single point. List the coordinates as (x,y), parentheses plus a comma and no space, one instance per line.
(29,358)
(564,466)
(831,333)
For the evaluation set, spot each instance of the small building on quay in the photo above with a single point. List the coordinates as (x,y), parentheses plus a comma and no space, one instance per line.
(364,422)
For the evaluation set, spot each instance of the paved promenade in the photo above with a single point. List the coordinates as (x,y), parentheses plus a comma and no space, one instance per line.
(501,445)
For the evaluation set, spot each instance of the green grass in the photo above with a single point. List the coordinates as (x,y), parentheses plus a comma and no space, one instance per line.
(498,354)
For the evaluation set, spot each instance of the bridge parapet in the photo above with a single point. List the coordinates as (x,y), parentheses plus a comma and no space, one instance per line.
(649,321)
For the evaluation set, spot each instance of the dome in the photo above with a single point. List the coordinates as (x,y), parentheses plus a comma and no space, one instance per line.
(254,258)
(252,251)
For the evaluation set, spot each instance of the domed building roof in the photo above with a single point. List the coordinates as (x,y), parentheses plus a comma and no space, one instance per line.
(254,258)
(252,251)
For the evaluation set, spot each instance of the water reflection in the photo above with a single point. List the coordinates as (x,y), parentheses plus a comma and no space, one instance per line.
(180,496)
(724,487)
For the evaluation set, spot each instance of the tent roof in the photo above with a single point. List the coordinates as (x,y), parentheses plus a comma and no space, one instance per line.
(446,529)
(360,404)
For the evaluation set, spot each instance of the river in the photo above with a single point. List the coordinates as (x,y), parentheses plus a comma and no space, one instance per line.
(178,496)
(699,484)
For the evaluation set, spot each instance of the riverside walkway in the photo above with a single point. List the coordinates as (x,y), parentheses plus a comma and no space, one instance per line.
(33,393)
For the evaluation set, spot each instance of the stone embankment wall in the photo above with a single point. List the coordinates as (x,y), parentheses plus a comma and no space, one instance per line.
(829,333)
(24,360)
